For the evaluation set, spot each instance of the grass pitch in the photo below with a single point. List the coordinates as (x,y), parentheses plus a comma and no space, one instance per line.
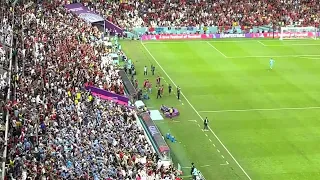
(265,124)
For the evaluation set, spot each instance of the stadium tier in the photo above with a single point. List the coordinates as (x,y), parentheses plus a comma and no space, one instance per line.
(69,92)
(180,13)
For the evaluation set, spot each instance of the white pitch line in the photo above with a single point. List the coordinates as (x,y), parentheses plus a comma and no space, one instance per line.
(261,43)
(198,114)
(172,121)
(192,120)
(280,45)
(218,150)
(206,135)
(217,50)
(215,41)
(225,163)
(214,145)
(205,165)
(270,109)
(310,58)
(222,156)
(276,56)
(210,140)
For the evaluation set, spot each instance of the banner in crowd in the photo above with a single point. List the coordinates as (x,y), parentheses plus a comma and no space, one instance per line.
(113,27)
(155,136)
(84,13)
(90,16)
(105,93)
(220,36)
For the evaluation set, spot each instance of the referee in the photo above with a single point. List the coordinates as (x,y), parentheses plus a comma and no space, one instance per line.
(178,92)
(205,124)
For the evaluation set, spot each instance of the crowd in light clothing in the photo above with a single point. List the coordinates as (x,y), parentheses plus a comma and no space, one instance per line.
(199,13)
(58,130)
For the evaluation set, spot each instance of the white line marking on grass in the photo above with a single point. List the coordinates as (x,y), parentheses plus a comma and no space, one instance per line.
(217,41)
(227,163)
(280,45)
(222,156)
(309,58)
(182,104)
(192,120)
(198,114)
(285,56)
(261,43)
(210,140)
(175,121)
(205,165)
(218,150)
(217,50)
(271,109)
(214,145)
(206,135)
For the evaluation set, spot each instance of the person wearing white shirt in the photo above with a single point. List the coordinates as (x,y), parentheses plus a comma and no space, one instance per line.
(145,71)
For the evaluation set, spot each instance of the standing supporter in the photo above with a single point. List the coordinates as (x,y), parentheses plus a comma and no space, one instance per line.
(58,129)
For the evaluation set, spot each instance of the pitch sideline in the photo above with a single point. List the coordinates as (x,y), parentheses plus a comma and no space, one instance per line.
(197,113)
(222,41)
(266,109)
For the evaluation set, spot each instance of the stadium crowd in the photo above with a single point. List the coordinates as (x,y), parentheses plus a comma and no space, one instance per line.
(200,13)
(57,129)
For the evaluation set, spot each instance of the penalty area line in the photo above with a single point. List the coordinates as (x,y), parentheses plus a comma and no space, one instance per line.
(192,107)
(270,109)
(261,43)
(217,50)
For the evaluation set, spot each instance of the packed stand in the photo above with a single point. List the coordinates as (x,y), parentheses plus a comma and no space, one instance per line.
(179,13)
(59,130)
(6,31)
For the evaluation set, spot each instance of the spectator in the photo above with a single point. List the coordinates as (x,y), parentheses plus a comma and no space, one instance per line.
(225,14)
(57,129)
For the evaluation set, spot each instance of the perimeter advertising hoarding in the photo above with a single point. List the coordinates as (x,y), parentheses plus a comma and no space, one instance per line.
(155,135)
(220,36)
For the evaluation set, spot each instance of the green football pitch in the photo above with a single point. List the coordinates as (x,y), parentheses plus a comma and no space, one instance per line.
(264,124)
